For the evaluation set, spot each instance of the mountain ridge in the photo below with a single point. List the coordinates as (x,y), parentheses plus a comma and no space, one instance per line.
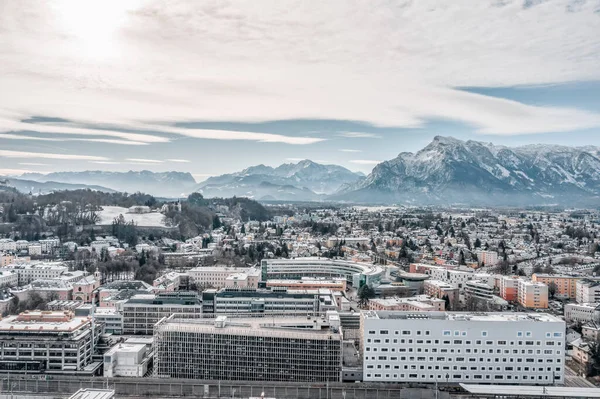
(451,170)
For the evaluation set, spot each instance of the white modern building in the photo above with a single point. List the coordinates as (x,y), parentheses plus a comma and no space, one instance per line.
(492,348)
(354,272)
(126,360)
(216,276)
(581,312)
(587,291)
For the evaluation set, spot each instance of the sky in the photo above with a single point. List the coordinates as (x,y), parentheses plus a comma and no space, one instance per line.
(212,87)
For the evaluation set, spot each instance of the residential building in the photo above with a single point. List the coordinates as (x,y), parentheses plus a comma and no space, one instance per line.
(587,291)
(34,249)
(509,288)
(141,312)
(42,270)
(6,259)
(566,285)
(487,258)
(249,349)
(533,295)
(440,289)
(127,360)
(8,245)
(47,341)
(492,348)
(8,278)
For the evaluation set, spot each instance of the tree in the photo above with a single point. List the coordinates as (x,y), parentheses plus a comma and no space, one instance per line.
(552,289)
(446,299)
(243,229)
(477,243)
(594,358)
(216,222)
(365,293)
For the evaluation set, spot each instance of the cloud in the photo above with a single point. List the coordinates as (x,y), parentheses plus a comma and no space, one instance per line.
(178,160)
(109,141)
(22,154)
(143,160)
(365,162)
(358,135)
(109,70)
(349,150)
(106,162)
(32,164)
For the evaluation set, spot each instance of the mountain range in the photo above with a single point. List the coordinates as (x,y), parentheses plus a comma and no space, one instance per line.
(471,172)
(302,181)
(164,184)
(446,171)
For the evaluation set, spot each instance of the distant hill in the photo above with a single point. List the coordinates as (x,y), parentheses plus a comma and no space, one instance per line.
(166,184)
(302,181)
(36,187)
(470,172)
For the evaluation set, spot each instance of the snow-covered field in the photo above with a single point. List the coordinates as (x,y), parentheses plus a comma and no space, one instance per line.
(109,213)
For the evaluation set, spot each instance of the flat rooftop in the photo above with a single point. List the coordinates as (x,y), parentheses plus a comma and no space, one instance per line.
(462,316)
(534,391)
(92,393)
(12,324)
(291,327)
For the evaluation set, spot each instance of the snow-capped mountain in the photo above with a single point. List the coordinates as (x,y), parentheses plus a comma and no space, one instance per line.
(165,184)
(303,181)
(471,172)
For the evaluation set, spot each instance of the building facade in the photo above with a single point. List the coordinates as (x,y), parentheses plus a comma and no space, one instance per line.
(566,286)
(47,342)
(492,348)
(280,349)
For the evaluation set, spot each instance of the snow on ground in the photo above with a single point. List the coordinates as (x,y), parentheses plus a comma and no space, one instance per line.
(109,213)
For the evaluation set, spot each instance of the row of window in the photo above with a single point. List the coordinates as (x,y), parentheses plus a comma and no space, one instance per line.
(460,377)
(459,342)
(468,350)
(457,333)
(463,359)
(465,368)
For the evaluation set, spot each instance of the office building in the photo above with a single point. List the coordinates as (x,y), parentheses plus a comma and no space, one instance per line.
(30,272)
(355,273)
(307,283)
(587,291)
(249,349)
(420,303)
(491,348)
(581,313)
(217,277)
(274,301)
(141,312)
(47,341)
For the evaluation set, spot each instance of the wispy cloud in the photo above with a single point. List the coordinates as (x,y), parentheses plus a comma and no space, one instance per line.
(22,154)
(62,139)
(359,135)
(349,150)
(143,160)
(106,162)
(365,162)
(178,160)
(32,164)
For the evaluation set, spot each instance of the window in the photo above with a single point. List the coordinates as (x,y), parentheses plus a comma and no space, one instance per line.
(384,332)
(405,332)
(371,332)
(446,333)
(484,333)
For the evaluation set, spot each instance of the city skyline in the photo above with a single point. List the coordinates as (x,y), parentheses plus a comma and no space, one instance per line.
(210,88)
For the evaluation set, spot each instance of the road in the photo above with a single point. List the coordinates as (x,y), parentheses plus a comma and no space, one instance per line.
(573,380)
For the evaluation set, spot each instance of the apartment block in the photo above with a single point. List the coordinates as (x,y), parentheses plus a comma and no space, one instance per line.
(440,289)
(509,288)
(249,349)
(487,258)
(566,286)
(491,348)
(47,341)
(533,295)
